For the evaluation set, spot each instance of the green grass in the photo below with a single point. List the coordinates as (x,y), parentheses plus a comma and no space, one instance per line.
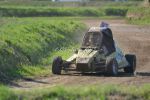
(27,41)
(29,71)
(6,93)
(139,15)
(62,11)
(64,52)
(47,3)
(100,92)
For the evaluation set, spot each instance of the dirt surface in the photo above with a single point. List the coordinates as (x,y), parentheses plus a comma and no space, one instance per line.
(131,38)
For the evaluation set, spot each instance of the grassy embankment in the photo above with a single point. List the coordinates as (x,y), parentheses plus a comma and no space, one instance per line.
(47,3)
(7,11)
(139,15)
(28,8)
(133,10)
(27,44)
(101,92)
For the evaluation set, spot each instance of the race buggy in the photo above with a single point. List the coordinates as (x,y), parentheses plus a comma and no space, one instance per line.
(98,53)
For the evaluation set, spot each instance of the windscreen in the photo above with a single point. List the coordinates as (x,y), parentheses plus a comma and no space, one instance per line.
(92,39)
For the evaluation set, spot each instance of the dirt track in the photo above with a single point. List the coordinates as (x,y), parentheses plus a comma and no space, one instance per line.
(131,38)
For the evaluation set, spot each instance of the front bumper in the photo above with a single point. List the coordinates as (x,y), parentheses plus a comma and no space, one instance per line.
(82,67)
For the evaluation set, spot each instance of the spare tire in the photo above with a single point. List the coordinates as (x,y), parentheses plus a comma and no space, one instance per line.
(132,63)
(57,65)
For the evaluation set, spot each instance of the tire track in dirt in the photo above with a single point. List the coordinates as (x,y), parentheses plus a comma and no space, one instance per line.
(131,38)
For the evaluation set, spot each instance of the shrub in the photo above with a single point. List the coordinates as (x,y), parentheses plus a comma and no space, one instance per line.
(46,11)
(116,11)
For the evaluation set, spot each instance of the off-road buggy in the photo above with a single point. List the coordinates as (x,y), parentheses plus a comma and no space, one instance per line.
(98,53)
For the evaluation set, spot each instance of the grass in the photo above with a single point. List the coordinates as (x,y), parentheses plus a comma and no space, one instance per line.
(6,93)
(47,3)
(62,11)
(139,15)
(30,71)
(64,52)
(27,41)
(102,92)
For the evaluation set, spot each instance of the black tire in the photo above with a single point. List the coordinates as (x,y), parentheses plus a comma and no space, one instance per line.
(112,67)
(132,61)
(57,65)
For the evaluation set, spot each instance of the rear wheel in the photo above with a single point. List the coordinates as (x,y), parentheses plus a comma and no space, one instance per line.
(57,65)
(112,67)
(132,63)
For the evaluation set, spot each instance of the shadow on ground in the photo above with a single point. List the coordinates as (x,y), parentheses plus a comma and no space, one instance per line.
(100,74)
(143,73)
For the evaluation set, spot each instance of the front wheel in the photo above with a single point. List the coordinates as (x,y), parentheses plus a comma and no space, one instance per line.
(112,67)
(57,65)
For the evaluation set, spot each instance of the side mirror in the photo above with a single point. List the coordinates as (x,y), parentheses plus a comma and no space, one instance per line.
(76,51)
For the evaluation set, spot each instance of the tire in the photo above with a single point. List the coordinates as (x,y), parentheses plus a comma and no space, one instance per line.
(57,65)
(132,61)
(112,67)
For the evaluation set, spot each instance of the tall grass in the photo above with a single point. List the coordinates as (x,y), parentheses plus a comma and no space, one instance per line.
(27,41)
(93,3)
(6,93)
(100,92)
(59,11)
(139,15)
